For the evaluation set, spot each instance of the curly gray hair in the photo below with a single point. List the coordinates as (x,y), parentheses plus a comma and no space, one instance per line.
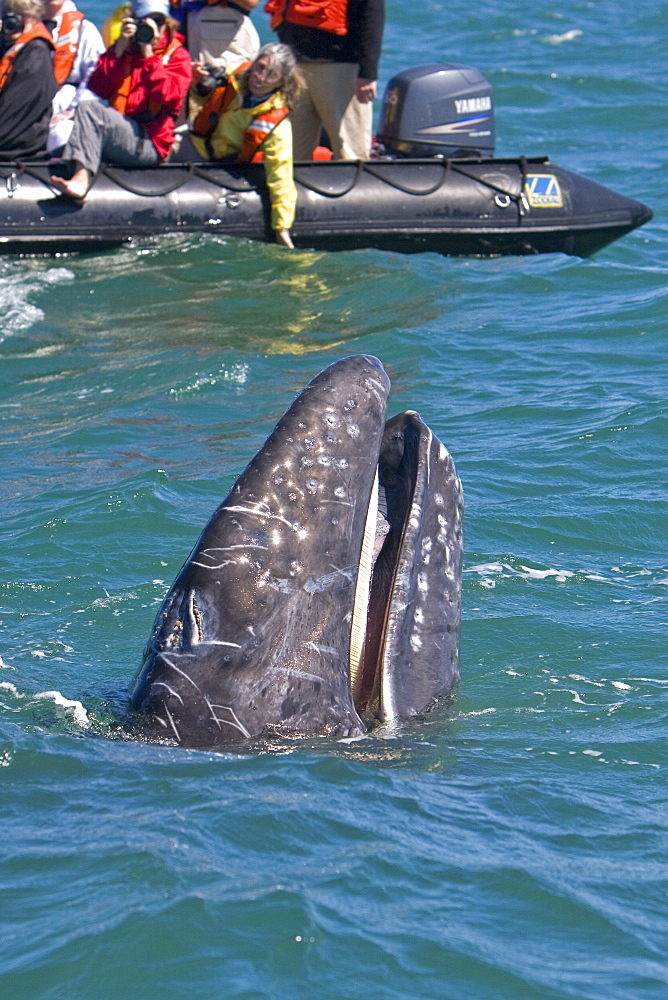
(282,61)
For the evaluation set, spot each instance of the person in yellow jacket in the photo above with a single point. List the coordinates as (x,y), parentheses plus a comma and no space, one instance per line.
(248,119)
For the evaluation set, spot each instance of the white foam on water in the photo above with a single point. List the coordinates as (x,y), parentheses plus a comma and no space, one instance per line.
(73,708)
(57,275)
(567,36)
(490,573)
(16,309)
(236,374)
(560,575)
(505,571)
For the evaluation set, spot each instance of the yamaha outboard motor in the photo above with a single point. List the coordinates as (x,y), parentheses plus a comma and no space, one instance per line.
(442,109)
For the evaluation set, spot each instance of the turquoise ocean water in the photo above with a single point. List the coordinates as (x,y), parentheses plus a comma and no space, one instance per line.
(510,847)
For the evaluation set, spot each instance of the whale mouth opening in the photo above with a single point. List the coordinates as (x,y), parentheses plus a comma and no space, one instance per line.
(372,541)
(379,606)
(372,605)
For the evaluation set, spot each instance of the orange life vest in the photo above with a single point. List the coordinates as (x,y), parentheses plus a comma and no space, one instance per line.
(7,61)
(327,15)
(67,44)
(119,98)
(216,104)
(255,133)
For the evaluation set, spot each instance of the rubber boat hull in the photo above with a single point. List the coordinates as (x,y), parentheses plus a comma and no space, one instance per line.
(472,207)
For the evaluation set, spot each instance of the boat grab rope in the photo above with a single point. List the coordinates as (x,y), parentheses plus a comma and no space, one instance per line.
(188,170)
(513,195)
(18,171)
(109,172)
(446,166)
(244,185)
(310,186)
(192,170)
(409,190)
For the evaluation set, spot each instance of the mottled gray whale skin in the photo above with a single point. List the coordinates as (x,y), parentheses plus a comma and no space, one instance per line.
(422,557)
(255,634)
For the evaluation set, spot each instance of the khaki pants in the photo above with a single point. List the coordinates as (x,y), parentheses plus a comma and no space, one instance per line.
(329,101)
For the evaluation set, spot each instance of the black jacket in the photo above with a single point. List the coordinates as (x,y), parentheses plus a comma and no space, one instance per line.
(361,44)
(25,102)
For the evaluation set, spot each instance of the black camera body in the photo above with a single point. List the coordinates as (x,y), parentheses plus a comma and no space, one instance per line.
(146,31)
(13,23)
(215,77)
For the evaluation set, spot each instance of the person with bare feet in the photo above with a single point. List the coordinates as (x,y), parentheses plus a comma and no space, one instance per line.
(145,76)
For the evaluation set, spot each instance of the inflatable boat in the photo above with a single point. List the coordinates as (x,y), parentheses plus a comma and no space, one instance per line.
(435,185)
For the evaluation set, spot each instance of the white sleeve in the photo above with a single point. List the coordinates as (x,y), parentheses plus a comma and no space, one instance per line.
(90,49)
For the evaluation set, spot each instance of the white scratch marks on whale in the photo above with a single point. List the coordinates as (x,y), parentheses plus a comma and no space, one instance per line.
(235,721)
(172,724)
(265,515)
(325,582)
(171,690)
(323,649)
(169,663)
(208,554)
(220,642)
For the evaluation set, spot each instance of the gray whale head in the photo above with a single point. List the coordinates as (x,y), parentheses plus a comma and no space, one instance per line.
(324,593)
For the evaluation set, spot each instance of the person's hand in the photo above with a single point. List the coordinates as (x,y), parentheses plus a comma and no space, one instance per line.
(62,116)
(283,236)
(365,90)
(198,72)
(128,29)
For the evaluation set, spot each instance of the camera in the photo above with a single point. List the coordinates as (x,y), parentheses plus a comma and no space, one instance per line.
(146,31)
(12,23)
(215,77)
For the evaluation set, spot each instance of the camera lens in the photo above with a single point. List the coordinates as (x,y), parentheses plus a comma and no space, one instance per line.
(12,23)
(144,33)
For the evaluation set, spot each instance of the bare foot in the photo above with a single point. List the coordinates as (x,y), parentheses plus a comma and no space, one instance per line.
(283,236)
(75,188)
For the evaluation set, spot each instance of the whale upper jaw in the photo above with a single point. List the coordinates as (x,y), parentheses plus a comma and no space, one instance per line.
(255,633)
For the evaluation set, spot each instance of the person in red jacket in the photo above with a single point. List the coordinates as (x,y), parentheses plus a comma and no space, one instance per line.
(145,76)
